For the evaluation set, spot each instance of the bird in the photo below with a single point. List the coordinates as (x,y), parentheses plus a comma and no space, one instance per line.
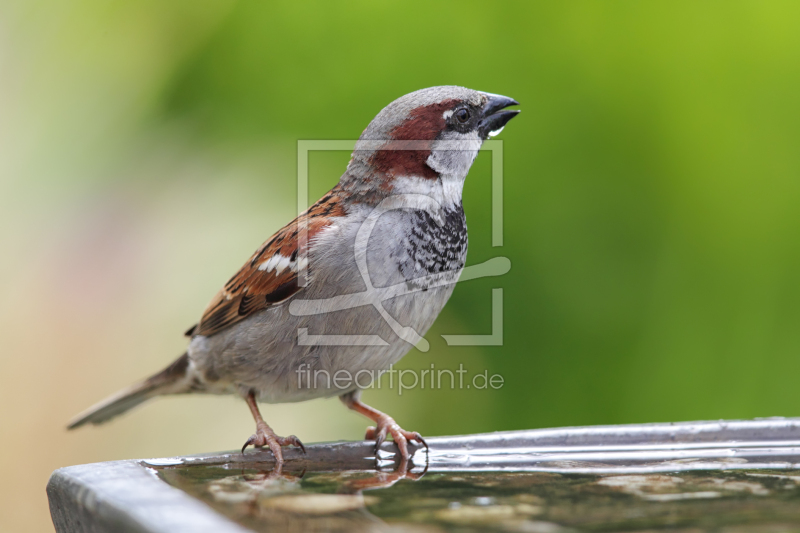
(350,285)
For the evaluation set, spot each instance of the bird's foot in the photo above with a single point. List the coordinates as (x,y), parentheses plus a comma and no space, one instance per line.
(387,425)
(264,436)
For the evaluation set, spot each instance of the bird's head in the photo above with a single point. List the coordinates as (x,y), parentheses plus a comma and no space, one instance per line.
(430,133)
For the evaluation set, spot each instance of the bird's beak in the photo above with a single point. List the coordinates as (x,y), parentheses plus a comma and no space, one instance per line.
(494,119)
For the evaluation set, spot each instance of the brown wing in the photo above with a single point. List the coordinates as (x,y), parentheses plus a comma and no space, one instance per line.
(270,276)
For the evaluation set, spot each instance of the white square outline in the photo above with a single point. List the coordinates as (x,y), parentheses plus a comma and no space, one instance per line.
(495,146)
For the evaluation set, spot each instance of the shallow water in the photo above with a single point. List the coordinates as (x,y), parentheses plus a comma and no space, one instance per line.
(367,500)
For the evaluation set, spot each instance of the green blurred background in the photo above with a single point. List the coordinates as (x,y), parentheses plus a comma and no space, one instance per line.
(652,185)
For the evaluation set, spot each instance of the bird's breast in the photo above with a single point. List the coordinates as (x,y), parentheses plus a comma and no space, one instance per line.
(437,245)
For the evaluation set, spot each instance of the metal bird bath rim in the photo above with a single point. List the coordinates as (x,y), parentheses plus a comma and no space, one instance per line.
(133,495)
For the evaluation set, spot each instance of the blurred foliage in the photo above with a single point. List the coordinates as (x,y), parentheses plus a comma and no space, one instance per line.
(651,192)
(651,184)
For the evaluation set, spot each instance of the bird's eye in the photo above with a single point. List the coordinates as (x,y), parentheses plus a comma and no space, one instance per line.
(462,115)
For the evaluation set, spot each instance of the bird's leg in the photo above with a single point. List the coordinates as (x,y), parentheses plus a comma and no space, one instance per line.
(265,436)
(383,424)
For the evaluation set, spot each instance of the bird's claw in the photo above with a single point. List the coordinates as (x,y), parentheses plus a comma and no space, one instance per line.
(291,440)
(387,425)
(266,437)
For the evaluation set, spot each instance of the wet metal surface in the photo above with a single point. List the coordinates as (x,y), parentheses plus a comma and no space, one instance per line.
(731,476)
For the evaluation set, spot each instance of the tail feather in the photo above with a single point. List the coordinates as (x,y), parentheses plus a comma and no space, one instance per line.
(171,380)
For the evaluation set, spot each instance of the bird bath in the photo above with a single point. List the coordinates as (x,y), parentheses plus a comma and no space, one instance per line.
(702,476)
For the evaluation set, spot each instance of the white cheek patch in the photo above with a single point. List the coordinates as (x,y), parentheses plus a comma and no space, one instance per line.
(496,132)
(454,153)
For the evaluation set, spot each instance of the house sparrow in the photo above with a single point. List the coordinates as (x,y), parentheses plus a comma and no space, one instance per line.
(352,283)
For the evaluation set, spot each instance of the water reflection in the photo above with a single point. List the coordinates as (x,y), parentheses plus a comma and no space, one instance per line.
(288,499)
(300,499)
